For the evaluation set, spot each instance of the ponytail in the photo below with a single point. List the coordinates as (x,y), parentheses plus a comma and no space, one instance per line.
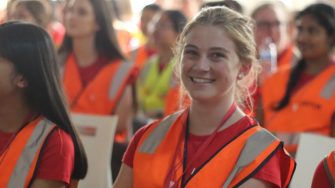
(291,84)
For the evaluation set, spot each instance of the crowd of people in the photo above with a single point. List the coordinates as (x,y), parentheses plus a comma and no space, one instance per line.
(208,97)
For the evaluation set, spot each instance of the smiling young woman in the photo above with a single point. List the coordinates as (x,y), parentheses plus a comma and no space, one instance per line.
(207,144)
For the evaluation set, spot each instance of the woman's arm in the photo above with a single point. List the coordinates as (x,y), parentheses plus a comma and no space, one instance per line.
(124,111)
(125,177)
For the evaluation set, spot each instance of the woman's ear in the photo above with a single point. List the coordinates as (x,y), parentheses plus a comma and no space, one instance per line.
(21,82)
(244,69)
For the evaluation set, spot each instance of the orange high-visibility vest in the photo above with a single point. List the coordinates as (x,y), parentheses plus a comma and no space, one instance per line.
(287,58)
(155,156)
(310,109)
(329,166)
(139,57)
(102,94)
(18,162)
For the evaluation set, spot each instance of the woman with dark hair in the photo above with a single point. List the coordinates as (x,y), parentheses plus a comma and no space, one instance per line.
(156,76)
(96,78)
(38,145)
(302,98)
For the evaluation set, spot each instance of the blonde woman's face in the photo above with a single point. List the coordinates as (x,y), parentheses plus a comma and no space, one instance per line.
(209,64)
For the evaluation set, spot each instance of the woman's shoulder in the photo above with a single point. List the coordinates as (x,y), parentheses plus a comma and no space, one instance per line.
(57,157)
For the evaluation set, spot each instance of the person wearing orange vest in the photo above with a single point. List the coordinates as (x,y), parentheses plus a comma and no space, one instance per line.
(141,54)
(272,25)
(272,21)
(324,175)
(211,143)
(302,99)
(39,147)
(96,77)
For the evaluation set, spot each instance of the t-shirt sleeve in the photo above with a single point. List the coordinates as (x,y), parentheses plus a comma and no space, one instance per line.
(275,170)
(128,157)
(320,178)
(57,158)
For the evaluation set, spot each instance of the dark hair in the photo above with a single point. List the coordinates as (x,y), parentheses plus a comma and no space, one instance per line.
(232,4)
(153,7)
(39,9)
(177,19)
(325,16)
(105,39)
(32,53)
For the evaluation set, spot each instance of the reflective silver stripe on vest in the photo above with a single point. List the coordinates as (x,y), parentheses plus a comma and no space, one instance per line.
(288,138)
(158,134)
(118,79)
(329,89)
(35,141)
(329,175)
(253,147)
(146,68)
(133,55)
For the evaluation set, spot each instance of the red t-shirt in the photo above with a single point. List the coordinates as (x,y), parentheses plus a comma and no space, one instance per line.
(272,172)
(57,158)
(320,178)
(88,73)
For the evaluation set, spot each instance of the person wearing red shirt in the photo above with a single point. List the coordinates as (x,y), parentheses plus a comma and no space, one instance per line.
(212,142)
(39,147)
(301,98)
(324,175)
(97,79)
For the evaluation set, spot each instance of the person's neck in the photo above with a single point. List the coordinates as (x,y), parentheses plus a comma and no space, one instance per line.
(165,57)
(317,65)
(84,50)
(205,117)
(13,112)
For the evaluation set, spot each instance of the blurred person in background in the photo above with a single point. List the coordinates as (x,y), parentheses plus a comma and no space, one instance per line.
(273,22)
(273,35)
(140,55)
(38,12)
(156,78)
(96,77)
(302,98)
